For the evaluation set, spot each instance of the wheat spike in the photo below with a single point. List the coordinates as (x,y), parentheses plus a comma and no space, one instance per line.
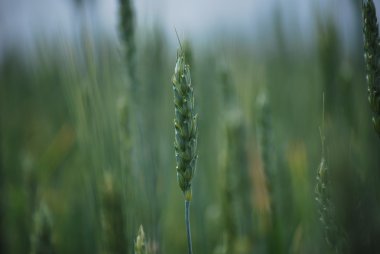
(186,133)
(185,124)
(140,245)
(326,209)
(372,58)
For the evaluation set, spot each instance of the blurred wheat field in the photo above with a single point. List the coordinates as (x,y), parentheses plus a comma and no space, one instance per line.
(87,152)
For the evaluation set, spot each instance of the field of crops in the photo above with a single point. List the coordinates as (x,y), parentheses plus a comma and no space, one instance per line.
(275,149)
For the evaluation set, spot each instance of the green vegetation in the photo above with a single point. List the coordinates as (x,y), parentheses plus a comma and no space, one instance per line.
(88,129)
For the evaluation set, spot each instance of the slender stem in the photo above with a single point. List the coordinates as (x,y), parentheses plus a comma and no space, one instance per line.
(187,220)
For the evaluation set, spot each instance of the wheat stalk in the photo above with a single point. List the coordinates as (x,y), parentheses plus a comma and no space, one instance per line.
(186,132)
(268,159)
(372,58)
(127,29)
(264,129)
(236,202)
(232,117)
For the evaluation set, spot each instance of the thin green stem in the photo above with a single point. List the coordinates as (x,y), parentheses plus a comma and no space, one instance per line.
(187,220)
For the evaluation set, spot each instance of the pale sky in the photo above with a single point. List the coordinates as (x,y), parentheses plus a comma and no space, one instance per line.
(21,21)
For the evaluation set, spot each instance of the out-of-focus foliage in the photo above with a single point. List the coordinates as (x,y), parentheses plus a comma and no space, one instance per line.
(67,120)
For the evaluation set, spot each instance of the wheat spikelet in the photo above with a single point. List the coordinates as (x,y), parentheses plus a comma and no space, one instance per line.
(188,52)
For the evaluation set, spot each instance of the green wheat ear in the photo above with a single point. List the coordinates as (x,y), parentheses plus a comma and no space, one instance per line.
(185,125)
(372,58)
(42,233)
(140,245)
(334,235)
(186,133)
(326,208)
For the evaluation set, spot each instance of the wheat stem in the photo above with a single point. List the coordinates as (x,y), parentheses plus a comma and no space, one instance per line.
(188,231)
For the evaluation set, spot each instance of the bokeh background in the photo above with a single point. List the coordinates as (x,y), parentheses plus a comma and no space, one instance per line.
(93,145)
